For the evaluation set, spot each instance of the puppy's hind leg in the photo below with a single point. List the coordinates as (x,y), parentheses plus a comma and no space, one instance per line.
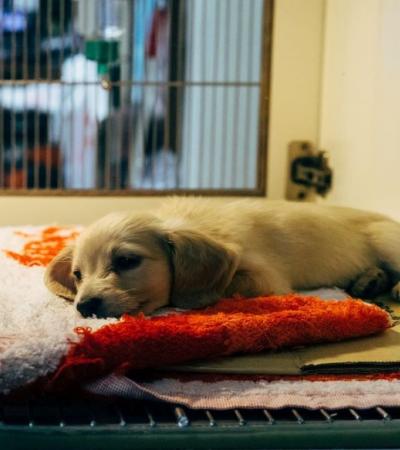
(258,280)
(384,238)
(371,283)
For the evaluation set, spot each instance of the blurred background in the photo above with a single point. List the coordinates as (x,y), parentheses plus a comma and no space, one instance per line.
(130,94)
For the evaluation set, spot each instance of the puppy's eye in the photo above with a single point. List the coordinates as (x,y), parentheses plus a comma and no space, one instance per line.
(122,263)
(77,274)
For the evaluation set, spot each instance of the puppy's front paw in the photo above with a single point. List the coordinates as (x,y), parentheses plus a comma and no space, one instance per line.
(396,292)
(370,284)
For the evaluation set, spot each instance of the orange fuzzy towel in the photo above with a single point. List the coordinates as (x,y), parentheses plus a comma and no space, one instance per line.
(231,326)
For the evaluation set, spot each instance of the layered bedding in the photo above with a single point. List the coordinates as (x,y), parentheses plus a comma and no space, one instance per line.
(45,343)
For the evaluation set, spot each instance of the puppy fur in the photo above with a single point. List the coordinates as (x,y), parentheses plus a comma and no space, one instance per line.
(192,251)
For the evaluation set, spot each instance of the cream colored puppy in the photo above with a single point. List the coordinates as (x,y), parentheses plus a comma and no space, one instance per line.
(191,252)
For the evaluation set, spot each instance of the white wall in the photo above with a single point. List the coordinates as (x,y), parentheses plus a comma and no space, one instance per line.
(296,83)
(361,102)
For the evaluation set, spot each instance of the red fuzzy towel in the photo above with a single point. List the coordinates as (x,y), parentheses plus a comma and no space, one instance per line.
(232,326)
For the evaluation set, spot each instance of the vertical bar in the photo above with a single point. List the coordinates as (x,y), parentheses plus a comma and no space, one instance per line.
(239,417)
(164,154)
(91,414)
(108,149)
(82,89)
(268,416)
(2,149)
(189,105)
(122,421)
(327,416)
(211,420)
(153,120)
(181,417)
(129,57)
(31,422)
(263,119)
(178,92)
(60,166)
(37,76)
(131,70)
(49,34)
(25,76)
(216,67)
(385,415)
(164,92)
(143,105)
(119,119)
(72,159)
(85,88)
(149,414)
(237,91)
(96,168)
(298,417)
(99,183)
(61,421)
(15,88)
(130,131)
(125,67)
(250,62)
(174,93)
(203,91)
(225,96)
(101,137)
(153,130)
(355,414)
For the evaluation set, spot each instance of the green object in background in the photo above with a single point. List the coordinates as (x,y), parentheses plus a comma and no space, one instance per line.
(104,52)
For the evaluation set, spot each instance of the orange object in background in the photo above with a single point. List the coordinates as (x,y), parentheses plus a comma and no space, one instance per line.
(40,170)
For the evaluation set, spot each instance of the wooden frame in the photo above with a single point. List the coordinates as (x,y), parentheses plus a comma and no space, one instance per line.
(262,152)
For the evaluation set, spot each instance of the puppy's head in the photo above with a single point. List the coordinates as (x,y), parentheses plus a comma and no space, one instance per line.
(130,264)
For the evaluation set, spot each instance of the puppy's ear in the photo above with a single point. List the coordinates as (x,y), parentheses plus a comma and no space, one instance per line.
(202,269)
(58,277)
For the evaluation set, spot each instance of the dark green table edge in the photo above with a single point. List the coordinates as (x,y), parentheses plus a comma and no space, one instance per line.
(340,434)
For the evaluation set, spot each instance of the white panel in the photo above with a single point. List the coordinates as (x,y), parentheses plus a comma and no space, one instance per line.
(361,102)
(220,34)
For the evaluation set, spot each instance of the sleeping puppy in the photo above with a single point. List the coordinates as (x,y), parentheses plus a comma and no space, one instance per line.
(191,252)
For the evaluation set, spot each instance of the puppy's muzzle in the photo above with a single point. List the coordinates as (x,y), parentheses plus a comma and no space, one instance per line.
(89,306)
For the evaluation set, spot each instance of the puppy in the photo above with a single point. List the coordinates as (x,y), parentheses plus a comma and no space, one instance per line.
(191,252)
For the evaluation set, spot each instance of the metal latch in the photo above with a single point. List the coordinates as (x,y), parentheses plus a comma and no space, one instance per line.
(309,172)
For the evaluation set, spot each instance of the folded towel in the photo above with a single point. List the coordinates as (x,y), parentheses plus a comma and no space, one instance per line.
(270,392)
(232,326)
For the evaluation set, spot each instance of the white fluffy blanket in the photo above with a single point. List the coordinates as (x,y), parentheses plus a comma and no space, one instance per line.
(35,326)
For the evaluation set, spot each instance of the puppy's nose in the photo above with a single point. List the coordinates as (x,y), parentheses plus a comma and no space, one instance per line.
(89,306)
